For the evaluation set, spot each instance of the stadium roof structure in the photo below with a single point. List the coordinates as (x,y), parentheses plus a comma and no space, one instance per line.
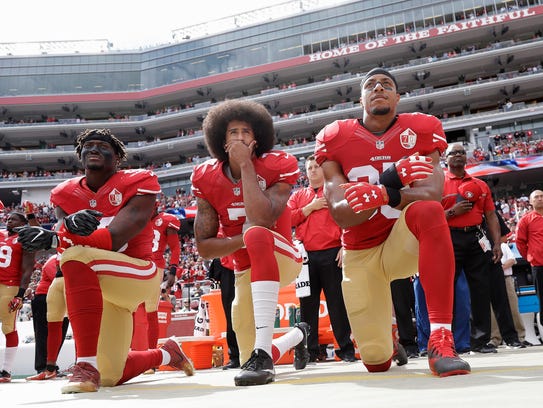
(248,18)
(54,47)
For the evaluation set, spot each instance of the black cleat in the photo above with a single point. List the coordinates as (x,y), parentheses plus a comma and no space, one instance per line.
(515,344)
(412,351)
(301,354)
(485,349)
(347,356)
(258,370)
(5,377)
(233,363)
(399,355)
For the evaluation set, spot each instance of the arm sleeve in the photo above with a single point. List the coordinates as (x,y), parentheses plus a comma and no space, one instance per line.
(101,238)
(175,248)
(296,214)
(522,240)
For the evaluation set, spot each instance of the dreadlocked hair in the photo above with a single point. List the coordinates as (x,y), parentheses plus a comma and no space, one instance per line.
(218,118)
(100,134)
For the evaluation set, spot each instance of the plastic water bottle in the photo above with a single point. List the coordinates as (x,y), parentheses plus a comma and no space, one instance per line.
(277,322)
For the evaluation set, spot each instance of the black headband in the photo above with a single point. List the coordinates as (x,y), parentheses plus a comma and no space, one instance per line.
(98,136)
(382,71)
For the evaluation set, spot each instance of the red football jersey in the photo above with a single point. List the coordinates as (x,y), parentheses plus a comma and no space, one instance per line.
(363,156)
(11,256)
(210,183)
(161,223)
(73,195)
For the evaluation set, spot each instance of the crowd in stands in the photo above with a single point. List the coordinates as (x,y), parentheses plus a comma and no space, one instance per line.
(44,213)
(512,209)
(501,146)
(282,87)
(6,175)
(509,145)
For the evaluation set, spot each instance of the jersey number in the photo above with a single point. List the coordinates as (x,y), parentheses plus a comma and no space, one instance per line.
(370,175)
(5,256)
(236,213)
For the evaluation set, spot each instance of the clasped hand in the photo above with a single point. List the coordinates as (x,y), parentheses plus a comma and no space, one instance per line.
(36,238)
(363,196)
(83,222)
(406,171)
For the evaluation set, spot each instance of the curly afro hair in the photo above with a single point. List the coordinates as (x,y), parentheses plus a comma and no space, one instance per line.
(100,134)
(220,116)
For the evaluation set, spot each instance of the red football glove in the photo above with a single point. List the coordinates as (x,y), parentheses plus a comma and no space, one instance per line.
(2,206)
(28,207)
(407,170)
(17,302)
(414,168)
(364,196)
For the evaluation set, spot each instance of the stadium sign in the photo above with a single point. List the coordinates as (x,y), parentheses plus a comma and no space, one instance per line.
(423,34)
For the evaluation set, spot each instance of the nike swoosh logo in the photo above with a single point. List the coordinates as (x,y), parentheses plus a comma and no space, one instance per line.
(40,233)
(261,327)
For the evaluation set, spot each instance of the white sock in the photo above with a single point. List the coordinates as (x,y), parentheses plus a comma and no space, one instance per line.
(9,358)
(435,326)
(288,340)
(165,357)
(89,360)
(265,296)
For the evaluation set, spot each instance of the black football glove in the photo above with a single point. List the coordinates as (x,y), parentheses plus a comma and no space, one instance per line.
(83,222)
(173,270)
(36,238)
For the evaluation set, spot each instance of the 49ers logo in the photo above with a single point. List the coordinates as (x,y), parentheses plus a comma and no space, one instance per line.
(408,138)
(115,197)
(261,182)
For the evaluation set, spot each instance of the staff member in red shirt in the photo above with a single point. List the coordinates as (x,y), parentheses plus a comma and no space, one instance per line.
(530,242)
(321,238)
(466,201)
